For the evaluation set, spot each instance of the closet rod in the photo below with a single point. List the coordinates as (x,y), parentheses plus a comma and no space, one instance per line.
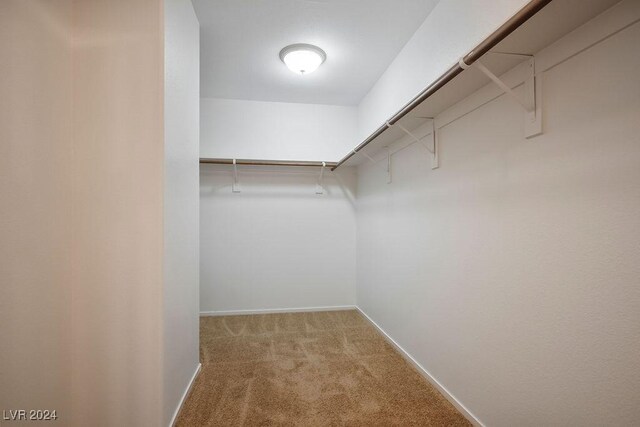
(251,162)
(533,7)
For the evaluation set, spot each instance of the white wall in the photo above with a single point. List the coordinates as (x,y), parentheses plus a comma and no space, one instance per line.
(36,149)
(118,163)
(450,31)
(272,130)
(181,200)
(276,244)
(275,130)
(84,170)
(511,273)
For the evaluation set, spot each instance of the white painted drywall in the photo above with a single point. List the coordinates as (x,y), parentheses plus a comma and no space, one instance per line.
(35,226)
(275,130)
(276,244)
(450,31)
(118,164)
(511,273)
(86,178)
(181,200)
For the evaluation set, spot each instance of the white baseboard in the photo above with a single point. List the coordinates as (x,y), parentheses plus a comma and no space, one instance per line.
(450,397)
(185,394)
(277,310)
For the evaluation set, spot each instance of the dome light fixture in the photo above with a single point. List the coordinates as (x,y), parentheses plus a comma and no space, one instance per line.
(302,58)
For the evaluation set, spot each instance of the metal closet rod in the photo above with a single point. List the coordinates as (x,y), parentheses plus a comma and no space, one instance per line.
(490,42)
(253,162)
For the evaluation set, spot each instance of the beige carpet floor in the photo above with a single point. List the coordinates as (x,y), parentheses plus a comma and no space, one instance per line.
(307,369)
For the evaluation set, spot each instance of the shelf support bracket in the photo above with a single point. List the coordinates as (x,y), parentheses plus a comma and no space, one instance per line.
(319,186)
(389,177)
(435,161)
(433,147)
(532,100)
(235,186)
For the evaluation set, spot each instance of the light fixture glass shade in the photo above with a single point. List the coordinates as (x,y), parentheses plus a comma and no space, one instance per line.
(302,58)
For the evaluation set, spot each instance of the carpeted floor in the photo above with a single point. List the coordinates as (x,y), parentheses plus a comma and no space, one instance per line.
(307,369)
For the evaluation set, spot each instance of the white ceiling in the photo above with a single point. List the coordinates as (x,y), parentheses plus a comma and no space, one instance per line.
(241,39)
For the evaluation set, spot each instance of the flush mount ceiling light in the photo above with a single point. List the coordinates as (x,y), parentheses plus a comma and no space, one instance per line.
(302,58)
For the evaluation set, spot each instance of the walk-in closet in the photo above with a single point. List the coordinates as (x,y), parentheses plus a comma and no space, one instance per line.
(320,213)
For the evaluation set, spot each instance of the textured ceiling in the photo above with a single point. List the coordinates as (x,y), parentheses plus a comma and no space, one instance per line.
(241,39)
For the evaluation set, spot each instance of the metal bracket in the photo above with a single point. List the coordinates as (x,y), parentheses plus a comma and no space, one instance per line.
(433,149)
(389,177)
(235,186)
(532,100)
(435,160)
(319,187)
